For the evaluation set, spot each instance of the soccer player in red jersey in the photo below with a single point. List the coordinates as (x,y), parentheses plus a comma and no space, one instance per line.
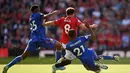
(67,23)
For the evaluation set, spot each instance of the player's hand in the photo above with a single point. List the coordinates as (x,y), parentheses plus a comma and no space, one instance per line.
(94,26)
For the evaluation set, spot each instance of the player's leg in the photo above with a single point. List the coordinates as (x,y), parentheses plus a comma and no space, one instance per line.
(95,56)
(15,61)
(20,57)
(50,43)
(53,44)
(109,57)
(69,56)
(102,57)
(90,65)
(59,53)
(59,47)
(89,62)
(66,60)
(92,68)
(61,63)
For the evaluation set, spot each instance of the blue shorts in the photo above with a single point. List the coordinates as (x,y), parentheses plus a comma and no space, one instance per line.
(89,58)
(33,45)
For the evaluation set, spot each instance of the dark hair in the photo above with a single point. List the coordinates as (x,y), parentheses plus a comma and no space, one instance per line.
(70,10)
(33,7)
(72,33)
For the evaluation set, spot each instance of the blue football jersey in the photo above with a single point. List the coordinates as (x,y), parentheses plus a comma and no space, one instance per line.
(78,47)
(37,29)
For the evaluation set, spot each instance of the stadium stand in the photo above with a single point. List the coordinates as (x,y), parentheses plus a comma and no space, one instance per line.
(112,16)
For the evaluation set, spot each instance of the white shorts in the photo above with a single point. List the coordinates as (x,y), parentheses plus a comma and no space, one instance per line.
(68,55)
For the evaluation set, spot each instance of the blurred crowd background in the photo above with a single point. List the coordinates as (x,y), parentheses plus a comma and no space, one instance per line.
(112,16)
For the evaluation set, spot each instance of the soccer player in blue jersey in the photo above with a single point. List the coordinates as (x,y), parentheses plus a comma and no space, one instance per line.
(77,46)
(38,36)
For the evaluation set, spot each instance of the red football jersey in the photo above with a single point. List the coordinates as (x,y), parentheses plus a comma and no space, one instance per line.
(67,23)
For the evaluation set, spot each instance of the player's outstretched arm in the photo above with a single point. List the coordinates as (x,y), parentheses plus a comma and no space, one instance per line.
(82,26)
(93,36)
(93,26)
(48,23)
(51,13)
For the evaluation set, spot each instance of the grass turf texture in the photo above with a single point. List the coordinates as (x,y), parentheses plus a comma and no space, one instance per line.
(51,60)
(73,68)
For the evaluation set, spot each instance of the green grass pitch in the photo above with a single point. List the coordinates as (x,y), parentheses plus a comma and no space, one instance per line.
(51,60)
(73,68)
(43,65)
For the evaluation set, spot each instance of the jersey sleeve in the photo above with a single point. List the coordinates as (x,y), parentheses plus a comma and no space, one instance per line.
(86,37)
(58,22)
(78,22)
(40,15)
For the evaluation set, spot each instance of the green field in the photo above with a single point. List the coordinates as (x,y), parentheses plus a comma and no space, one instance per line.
(51,60)
(73,68)
(43,65)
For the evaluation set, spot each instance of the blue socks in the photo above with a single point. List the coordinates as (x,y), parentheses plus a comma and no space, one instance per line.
(16,60)
(58,55)
(108,57)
